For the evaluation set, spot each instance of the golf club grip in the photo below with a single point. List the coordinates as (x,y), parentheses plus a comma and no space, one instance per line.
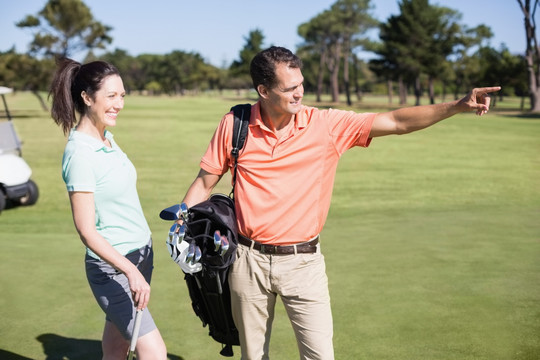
(136,327)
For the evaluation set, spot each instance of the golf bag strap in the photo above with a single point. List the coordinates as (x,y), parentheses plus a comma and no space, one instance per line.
(242,114)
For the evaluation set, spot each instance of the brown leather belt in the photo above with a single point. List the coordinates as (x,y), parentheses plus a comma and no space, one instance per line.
(309,247)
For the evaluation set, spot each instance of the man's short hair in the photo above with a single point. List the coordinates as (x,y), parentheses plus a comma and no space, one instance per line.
(263,65)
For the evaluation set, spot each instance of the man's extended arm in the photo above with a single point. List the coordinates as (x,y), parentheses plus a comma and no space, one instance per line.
(409,119)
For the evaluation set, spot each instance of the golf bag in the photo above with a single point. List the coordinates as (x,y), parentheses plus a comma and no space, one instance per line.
(209,287)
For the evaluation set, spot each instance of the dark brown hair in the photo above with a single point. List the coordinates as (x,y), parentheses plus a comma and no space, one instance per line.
(70,80)
(263,65)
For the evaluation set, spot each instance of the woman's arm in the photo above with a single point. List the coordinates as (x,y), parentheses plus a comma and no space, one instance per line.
(83,210)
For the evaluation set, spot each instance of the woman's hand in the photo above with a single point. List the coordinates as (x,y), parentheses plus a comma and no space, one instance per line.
(140,289)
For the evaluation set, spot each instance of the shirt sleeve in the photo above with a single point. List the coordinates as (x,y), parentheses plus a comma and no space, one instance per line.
(77,173)
(217,158)
(348,128)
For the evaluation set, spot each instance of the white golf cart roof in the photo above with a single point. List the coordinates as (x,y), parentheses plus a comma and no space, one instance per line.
(5,90)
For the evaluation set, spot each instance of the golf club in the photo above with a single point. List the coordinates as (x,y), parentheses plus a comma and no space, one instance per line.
(217,240)
(184,210)
(224,245)
(181,232)
(136,328)
(190,253)
(170,213)
(173,234)
(198,255)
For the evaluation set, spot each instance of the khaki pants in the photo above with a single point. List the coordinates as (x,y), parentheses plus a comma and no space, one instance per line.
(300,280)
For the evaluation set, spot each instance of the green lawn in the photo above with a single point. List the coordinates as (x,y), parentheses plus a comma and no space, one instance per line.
(432,242)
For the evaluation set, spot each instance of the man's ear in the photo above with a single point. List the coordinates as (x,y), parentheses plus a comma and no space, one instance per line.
(262,90)
(87,100)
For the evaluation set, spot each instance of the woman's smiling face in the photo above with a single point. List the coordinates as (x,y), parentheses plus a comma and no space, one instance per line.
(107,102)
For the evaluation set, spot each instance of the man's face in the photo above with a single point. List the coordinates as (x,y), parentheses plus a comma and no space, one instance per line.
(286,96)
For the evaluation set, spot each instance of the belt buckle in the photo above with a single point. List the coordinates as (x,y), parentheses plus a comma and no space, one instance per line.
(268,249)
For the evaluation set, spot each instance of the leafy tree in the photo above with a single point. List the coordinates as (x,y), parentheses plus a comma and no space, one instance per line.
(419,42)
(151,70)
(333,35)
(327,24)
(387,65)
(310,65)
(362,72)
(239,69)
(398,51)
(127,65)
(444,39)
(181,71)
(24,72)
(65,27)
(8,76)
(314,33)
(153,88)
(355,20)
(466,64)
(173,73)
(216,77)
(518,77)
(504,69)
(532,52)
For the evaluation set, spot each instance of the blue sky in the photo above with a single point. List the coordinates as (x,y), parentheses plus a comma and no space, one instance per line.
(216,28)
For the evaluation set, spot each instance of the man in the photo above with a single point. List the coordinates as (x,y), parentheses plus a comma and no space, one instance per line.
(283,188)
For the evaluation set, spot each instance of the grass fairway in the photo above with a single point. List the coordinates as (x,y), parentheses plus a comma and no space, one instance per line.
(432,243)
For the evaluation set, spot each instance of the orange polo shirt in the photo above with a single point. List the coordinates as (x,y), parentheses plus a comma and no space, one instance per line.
(284,187)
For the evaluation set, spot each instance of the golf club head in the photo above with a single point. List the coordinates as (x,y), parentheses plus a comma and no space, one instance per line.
(187,266)
(170,213)
(198,255)
(217,240)
(191,253)
(173,234)
(184,211)
(224,245)
(175,245)
(181,232)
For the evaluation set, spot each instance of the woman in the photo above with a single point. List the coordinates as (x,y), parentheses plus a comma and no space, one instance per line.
(101,182)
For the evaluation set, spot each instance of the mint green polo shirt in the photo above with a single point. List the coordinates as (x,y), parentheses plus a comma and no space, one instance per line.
(90,166)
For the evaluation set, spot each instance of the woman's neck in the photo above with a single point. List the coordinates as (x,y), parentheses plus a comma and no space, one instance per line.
(88,127)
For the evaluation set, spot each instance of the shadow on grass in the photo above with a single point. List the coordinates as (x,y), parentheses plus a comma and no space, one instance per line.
(519,115)
(8,355)
(532,116)
(10,204)
(56,347)
(59,347)
(22,115)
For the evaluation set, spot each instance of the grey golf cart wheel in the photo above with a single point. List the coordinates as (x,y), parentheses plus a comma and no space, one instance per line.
(2,200)
(31,196)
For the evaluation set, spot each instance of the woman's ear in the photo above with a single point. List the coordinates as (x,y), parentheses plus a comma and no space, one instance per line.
(87,100)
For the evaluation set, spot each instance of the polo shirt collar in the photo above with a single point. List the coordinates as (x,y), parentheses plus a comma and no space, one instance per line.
(301,119)
(95,144)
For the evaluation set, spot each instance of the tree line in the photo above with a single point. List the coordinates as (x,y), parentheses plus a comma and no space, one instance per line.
(425,49)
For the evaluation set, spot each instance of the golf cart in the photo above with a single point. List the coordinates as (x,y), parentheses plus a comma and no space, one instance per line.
(16,188)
